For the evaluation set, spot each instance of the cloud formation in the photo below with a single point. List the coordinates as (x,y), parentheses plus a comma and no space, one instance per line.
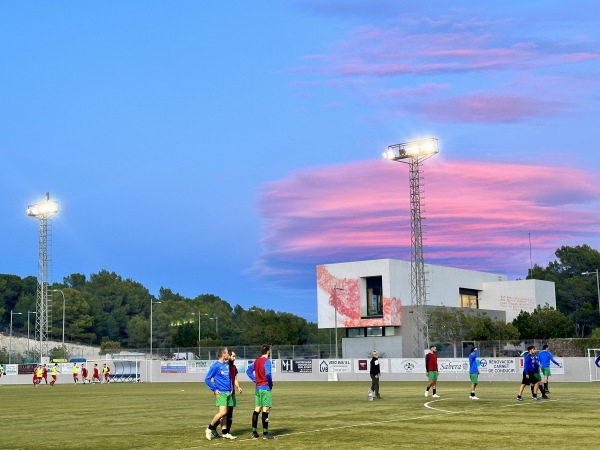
(479,215)
(426,66)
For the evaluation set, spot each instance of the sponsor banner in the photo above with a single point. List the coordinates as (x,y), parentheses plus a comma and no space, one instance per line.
(25,369)
(335,365)
(173,366)
(361,365)
(451,365)
(407,365)
(497,365)
(12,369)
(198,366)
(296,366)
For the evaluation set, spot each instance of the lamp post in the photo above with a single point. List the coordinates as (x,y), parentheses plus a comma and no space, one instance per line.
(597,284)
(152,302)
(42,211)
(335,289)
(28,319)
(10,340)
(63,321)
(200,329)
(414,153)
(216,319)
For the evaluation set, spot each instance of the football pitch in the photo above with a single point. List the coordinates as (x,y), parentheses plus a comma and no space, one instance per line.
(313,415)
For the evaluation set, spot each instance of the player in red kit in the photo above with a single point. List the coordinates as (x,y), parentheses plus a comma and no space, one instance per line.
(84,374)
(96,374)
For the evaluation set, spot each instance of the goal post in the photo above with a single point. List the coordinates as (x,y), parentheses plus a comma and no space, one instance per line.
(593,361)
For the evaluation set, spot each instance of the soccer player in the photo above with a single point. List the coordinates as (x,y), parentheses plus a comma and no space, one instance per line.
(431,368)
(75,373)
(53,373)
(106,372)
(218,380)
(375,371)
(84,374)
(260,373)
(96,374)
(528,375)
(545,358)
(37,375)
(227,419)
(538,376)
(473,371)
(45,374)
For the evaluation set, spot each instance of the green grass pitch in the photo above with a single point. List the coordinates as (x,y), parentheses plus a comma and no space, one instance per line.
(315,415)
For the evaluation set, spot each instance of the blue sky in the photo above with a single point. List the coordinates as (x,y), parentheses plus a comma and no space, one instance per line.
(230,148)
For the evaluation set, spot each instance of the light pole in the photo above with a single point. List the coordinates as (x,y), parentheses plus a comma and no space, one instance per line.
(42,211)
(200,329)
(28,319)
(152,302)
(63,321)
(335,289)
(414,153)
(597,284)
(10,340)
(216,319)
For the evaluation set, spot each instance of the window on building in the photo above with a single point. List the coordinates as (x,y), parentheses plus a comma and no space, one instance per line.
(469,298)
(374,305)
(375,331)
(355,332)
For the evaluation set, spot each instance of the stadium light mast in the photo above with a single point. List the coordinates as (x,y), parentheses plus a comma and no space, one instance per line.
(414,153)
(43,211)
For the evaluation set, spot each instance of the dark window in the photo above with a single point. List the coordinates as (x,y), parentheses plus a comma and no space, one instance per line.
(468,298)
(374,297)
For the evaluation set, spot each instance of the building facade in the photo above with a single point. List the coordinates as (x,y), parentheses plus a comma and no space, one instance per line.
(370,300)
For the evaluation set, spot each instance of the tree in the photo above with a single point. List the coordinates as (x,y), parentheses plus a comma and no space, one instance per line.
(448,325)
(543,323)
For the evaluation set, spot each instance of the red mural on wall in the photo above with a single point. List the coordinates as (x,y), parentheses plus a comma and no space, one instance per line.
(347,301)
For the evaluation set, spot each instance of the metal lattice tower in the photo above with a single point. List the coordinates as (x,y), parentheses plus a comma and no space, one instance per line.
(414,153)
(43,211)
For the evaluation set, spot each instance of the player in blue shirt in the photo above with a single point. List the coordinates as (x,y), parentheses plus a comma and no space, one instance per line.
(528,374)
(473,371)
(546,358)
(218,380)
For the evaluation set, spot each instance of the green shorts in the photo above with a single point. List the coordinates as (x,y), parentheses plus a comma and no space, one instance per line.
(432,375)
(538,376)
(262,398)
(474,378)
(546,372)
(233,401)
(224,399)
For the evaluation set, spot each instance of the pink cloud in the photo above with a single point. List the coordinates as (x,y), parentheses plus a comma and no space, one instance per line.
(478,215)
(487,107)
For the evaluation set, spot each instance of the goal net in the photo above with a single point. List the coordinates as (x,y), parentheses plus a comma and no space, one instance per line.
(594,361)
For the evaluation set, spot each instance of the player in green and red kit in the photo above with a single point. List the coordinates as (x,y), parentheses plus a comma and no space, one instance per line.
(431,368)
(260,373)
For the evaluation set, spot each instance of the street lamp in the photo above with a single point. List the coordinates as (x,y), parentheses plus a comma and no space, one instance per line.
(28,320)
(597,284)
(10,340)
(42,211)
(152,302)
(335,289)
(63,321)
(216,319)
(414,153)
(200,329)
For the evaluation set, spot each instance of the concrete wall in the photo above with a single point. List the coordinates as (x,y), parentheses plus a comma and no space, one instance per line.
(574,370)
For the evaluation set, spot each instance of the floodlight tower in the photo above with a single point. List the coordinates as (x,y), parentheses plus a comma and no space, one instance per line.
(414,153)
(43,211)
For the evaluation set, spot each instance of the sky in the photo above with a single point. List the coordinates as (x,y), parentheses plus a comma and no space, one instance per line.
(229,148)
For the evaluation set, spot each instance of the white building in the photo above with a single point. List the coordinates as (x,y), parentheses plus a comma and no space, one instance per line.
(370,299)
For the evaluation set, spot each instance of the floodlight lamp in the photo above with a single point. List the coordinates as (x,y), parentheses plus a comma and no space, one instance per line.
(389,153)
(46,208)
